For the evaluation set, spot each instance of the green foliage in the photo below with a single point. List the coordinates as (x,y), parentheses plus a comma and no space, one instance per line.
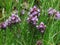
(25,34)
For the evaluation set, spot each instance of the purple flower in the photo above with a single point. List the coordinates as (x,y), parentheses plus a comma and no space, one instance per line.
(34,11)
(57,15)
(51,11)
(3,25)
(41,27)
(15,18)
(32,20)
(9,23)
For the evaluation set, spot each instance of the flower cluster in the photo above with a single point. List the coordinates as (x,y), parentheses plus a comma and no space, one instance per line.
(33,18)
(53,12)
(12,19)
(41,27)
(33,15)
